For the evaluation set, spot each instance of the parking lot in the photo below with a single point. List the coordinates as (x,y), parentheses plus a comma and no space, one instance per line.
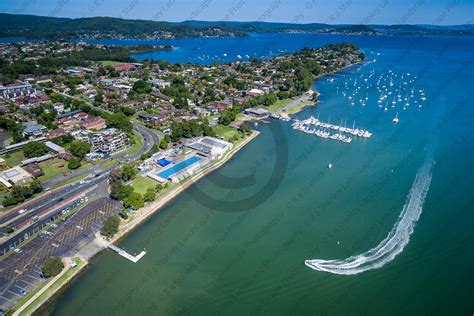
(21,271)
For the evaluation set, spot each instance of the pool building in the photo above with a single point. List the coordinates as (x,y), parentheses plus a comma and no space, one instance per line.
(175,165)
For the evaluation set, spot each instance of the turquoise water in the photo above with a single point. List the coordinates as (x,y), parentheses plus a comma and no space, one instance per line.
(178,167)
(203,259)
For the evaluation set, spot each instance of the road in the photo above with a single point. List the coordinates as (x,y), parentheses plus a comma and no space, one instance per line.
(21,270)
(46,206)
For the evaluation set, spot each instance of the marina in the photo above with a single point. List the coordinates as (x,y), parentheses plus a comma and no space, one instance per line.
(321,129)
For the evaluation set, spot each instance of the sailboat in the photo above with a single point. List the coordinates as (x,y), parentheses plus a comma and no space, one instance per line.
(395,119)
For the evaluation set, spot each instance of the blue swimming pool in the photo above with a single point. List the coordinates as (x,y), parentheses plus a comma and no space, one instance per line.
(165,174)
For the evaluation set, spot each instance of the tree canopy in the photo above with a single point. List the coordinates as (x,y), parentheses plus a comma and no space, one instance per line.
(110,226)
(79,149)
(52,266)
(34,149)
(121,121)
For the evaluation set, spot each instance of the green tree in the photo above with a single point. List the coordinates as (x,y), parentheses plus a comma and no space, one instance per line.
(150,195)
(121,121)
(163,143)
(79,149)
(52,266)
(118,191)
(110,226)
(128,172)
(134,200)
(73,164)
(34,149)
(7,230)
(141,86)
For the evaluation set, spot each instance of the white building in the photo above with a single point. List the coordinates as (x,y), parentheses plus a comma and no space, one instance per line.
(211,147)
(107,141)
(14,176)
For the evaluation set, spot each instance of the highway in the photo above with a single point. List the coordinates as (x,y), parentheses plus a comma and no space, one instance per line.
(46,206)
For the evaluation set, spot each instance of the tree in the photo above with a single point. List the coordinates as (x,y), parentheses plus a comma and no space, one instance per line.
(141,86)
(7,230)
(9,201)
(128,172)
(80,149)
(115,176)
(121,121)
(163,143)
(180,102)
(118,191)
(52,267)
(244,129)
(19,193)
(134,200)
(110,226)
(150,195)
(34,149)
(73,164)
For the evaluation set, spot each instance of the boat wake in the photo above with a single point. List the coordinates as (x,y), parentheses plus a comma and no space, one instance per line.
(396,240)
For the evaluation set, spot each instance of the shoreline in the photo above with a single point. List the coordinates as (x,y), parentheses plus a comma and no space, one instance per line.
(140,216)
(145,212)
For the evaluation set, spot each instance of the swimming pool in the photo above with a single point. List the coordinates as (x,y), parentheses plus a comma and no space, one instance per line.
(165,174)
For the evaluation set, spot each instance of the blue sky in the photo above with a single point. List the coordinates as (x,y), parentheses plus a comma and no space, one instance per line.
(298,11)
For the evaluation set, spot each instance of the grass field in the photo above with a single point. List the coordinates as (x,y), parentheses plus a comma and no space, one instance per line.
(278,105)
(106,63)
(141,184)
(226,132)
(14,158)
(136,147)
(51,168)
(300,106)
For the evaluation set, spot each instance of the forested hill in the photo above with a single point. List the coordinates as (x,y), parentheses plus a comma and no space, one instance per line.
(32,26)
(372,29)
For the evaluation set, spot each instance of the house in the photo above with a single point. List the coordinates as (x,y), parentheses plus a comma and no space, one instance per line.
(32,129)
(162,96)
(159,83)
(255,92)
(56,133)
(34,169)
(151,118)
(123,67)
(96,123)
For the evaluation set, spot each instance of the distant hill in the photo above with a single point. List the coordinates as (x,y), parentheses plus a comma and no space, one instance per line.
(465,29)
(32,26)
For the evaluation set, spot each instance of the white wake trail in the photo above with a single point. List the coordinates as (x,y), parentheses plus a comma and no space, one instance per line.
(396,239)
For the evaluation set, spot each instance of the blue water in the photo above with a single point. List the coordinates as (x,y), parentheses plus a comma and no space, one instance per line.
(178,167)
(411,182)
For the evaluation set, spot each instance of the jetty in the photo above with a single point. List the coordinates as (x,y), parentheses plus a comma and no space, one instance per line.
(315,126)
(126,255)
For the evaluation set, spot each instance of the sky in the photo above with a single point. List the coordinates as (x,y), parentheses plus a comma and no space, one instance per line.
(438,12)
